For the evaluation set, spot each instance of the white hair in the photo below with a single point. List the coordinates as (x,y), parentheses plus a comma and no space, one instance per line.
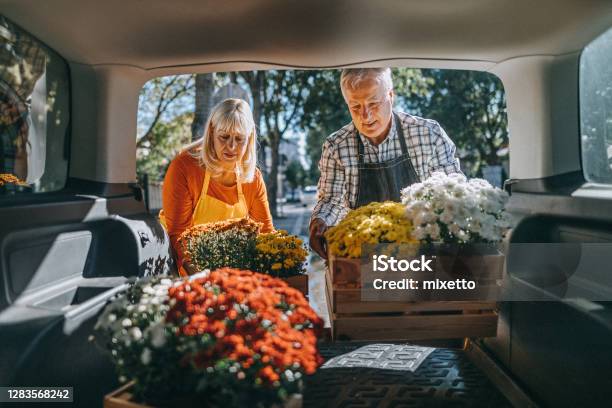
(352,77)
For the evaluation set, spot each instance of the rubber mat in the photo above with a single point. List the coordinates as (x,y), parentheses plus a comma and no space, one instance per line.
(446,378)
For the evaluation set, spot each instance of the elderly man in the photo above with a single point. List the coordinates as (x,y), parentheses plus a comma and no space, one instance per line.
(377,155)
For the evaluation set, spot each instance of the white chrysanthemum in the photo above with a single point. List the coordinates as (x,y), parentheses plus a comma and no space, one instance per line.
(433,230)
(145,357)
(453,229)
(135,333)
(475,226)
(463,236)
(470,210)
(419,233)
(158,335)
(446,217)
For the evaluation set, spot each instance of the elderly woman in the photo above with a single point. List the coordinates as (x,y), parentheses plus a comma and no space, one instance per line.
(215,178)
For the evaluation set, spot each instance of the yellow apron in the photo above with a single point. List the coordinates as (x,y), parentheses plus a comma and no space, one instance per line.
(210,209)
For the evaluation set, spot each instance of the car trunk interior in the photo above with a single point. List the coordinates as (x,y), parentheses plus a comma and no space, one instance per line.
(64,254)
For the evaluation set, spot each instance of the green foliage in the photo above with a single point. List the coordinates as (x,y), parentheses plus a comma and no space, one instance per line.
(411,83)
(314,145)
(234,248)
(295,174)
(324,108)
(165,141)
(324,112)
(471,107)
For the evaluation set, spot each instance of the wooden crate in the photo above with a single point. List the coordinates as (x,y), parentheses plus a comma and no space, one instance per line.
(299,282)
(122,398)
(414,327)
(421,318)
(347,271)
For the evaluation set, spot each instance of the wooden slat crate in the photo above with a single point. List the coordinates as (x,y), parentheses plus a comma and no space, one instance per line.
(422,319)
(122,398)
(299,282)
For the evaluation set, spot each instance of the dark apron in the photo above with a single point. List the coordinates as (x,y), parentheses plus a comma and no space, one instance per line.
(384,181)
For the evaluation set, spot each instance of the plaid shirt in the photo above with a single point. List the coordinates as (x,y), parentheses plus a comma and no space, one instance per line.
(429,147)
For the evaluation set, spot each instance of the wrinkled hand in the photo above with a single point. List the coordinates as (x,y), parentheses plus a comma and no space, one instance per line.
(317,239)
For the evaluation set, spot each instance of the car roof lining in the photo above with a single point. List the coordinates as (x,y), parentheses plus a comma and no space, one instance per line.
(158,34)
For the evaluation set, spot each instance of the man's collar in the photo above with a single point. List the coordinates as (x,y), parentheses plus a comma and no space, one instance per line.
(390,136)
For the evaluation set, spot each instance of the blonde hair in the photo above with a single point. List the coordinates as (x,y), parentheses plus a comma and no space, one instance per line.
(352,77)
(229,116)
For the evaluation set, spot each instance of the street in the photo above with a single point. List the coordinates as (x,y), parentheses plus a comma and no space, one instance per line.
(295,219)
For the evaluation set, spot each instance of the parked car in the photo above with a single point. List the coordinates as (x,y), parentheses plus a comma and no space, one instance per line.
(295,196)
(309,196)
(81,231)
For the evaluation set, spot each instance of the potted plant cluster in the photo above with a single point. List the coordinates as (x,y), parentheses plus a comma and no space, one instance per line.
(374,223)
(460,222)
(238,243)
(444,213)
(10,183)
(229,337)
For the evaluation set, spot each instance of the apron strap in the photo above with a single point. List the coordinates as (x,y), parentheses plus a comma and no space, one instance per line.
(360,148)
(202,199)
(241,198)
(400,133)
(205,184)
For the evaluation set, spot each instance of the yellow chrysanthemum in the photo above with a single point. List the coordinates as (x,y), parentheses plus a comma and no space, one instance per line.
(280,252)
(371,224)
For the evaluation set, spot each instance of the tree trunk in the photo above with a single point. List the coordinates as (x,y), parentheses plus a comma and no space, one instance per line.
(272,181)
(204,89)
(256,81)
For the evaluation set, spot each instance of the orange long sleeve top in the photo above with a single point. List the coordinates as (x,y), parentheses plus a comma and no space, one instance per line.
(182,189)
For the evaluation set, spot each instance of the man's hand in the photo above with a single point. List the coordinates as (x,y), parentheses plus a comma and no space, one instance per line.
(317,239)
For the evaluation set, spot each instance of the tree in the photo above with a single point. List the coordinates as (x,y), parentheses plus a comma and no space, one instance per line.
(314,146)
(204,90)
(295,176)
(256,81)
(162,99)
(165,140)
(283,99)
(324,107)
(471,107)
(324,112)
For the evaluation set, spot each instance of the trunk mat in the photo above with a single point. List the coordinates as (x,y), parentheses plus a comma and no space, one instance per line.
(446,378)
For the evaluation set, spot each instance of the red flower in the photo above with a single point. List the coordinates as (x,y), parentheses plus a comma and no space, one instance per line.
(246,315)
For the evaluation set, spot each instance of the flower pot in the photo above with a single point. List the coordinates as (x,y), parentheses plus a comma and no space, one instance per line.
(355,315)
(299,282)
(123,398)
(345,272)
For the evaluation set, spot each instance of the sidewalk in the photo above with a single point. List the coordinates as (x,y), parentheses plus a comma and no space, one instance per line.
(295,221)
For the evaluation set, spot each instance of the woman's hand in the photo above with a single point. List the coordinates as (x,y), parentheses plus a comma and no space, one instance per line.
(190,268)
